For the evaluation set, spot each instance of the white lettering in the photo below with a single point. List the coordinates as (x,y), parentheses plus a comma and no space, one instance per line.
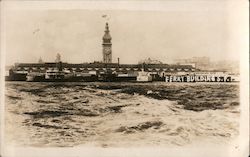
(167,79)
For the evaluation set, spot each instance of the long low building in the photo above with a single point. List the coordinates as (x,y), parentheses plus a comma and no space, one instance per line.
(160,72)
(86,67)
(20,70)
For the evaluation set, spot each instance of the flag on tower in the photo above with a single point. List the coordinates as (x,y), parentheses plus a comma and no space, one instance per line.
(106,17)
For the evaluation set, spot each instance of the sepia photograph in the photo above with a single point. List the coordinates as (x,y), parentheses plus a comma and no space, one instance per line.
(124,78)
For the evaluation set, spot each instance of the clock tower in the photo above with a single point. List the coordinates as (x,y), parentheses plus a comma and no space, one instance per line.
(106,46)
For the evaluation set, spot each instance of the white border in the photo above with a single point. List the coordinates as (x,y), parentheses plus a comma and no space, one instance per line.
(241,9)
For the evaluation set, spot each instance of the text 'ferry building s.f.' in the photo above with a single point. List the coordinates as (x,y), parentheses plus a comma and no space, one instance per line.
(106,65)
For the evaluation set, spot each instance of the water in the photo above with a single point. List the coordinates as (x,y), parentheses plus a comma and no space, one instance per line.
(120,114)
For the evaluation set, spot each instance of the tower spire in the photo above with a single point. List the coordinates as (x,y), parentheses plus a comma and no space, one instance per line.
(107,28)
(107,38)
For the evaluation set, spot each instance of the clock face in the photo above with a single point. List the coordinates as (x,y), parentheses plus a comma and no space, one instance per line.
(107,50)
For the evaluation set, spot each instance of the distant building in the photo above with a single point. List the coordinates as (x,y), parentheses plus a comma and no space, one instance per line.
(106,46)
(150,61)
(202,63)
(58,58)
(40,60)
(226,65)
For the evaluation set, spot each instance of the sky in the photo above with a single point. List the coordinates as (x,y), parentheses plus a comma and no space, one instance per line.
(162,31)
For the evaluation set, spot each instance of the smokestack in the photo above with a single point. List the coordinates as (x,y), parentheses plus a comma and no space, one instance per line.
(118,61)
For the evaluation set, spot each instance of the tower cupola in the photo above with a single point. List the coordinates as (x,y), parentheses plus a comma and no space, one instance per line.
(107,38)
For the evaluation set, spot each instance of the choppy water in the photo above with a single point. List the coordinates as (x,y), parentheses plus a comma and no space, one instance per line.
(120,114)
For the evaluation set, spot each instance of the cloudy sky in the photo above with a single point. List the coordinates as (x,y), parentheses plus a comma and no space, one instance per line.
(162,31)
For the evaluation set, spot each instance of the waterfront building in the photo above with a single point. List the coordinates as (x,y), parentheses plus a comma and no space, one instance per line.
(99,69)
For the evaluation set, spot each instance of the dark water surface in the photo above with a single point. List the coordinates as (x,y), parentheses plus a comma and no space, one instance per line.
(115,114)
